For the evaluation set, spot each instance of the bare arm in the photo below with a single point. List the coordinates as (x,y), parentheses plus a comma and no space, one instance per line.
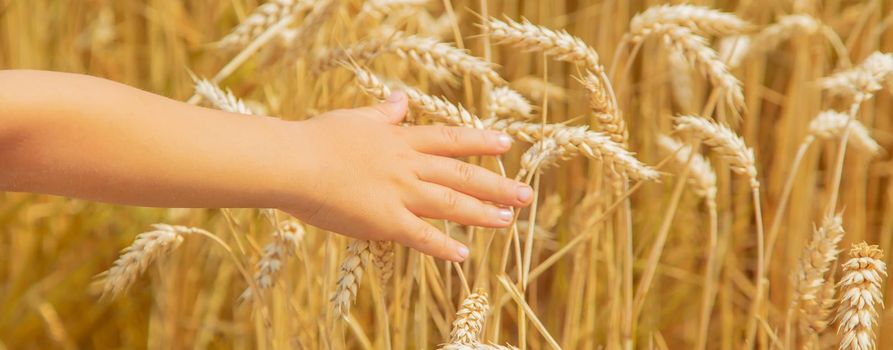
(351,171)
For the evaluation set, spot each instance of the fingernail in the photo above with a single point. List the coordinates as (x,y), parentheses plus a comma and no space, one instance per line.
(524,193)
(463,252)
(505,215)
(396,96)
(505,141)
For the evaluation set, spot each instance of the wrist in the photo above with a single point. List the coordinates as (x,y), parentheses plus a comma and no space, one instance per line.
(290,183)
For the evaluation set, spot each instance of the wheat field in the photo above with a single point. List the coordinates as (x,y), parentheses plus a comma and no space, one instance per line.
(708,175)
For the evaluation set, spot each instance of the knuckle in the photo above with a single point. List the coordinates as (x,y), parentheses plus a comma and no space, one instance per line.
(450,199)
(425,236)
(466,171)
(450,135)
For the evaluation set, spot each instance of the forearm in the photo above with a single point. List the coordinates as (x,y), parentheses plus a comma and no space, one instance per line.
(91,138)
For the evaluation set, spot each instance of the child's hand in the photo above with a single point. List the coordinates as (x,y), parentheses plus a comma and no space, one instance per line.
(367,177)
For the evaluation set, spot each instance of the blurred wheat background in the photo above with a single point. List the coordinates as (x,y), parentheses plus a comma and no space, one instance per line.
(609,291)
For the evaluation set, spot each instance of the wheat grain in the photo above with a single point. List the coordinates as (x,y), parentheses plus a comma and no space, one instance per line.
(146,248)
(830,124)
(700,55)
(723,141)
(285,240)
(610,121)
(861,296)
(350,275)
(260,19)
(469,322)
(813,287)
(544,154)
(530,37)
(382,253)
(701,175)
(699,19)
(579,139)
(505,102)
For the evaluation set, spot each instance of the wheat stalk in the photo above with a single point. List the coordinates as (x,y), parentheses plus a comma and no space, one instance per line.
(285,240)
(700,55)
(530,37)
(350,275)
(701,175)
(507,103)
(579,139)
(469,322)
(135,259)
(814,288)
(382,253)
(831,124)
(263,17)
(723,141)
(699,19)
(861,296)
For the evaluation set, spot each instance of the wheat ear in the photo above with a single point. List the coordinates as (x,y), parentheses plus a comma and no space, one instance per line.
(263,17)
(861,82)
(349,277)
(299,41)
(831,125)
(379,8)
(476,346)
(603,107)
(544,154)
(431,106)
(276,253)
(578,139)
(787,26)
(135,259)
(507,103)
(219,98)
(469,322)
(701,176)
(530,37)
(382,253)
(861,296)
(814,288)
(700,55)
(723,141)
(699,19)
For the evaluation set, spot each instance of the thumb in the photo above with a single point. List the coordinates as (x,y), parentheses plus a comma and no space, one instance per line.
(391,111)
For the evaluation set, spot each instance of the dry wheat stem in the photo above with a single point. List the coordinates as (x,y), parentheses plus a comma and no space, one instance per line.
(350,274)
(518,297)
(262,18)
(476,346)
(861,296)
